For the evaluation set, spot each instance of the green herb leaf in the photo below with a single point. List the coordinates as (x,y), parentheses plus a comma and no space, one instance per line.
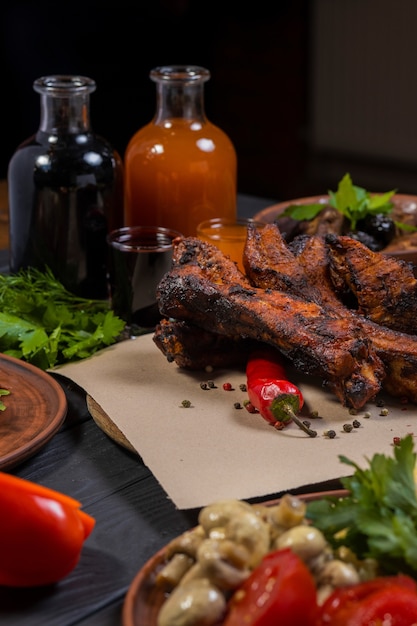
(407,227)
(353,202)
(3,392)
(43,323)
(303,211)
(378,519)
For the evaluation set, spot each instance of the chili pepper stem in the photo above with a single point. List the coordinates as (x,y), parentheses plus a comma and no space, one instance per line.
(311,433)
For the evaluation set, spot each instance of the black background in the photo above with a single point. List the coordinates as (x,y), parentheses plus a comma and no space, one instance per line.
(256,56)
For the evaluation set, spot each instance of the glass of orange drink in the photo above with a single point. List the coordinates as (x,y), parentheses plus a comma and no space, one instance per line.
(228,235)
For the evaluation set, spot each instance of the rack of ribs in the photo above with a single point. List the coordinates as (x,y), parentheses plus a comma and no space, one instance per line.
(204,288)
(310,266)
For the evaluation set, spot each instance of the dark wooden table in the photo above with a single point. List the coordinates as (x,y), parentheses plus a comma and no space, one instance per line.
(134,516)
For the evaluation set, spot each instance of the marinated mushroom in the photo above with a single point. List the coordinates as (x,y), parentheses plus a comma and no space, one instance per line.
(173,572)
(338,574)
(217,515)
(224,563)
(187,543)
(197,603)
(306,541)
(251,531)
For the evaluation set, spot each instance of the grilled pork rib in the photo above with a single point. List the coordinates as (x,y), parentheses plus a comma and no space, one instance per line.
(397,351)
(206,289)
(385,287)
(191,347)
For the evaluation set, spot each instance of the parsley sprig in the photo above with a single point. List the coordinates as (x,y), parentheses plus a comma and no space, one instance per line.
(46,325)
(353,202)
(378,519)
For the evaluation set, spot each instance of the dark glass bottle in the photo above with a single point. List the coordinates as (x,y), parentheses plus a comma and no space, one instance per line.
(65,191)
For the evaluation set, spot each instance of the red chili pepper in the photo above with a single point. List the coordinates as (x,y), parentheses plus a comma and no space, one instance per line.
(42,533)
(270,391)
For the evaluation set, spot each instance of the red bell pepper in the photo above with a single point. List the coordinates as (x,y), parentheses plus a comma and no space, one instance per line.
(42,533)
(388,600)
(270,391)
(281,590)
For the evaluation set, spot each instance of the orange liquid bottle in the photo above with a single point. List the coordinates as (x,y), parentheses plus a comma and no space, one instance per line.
(180,169)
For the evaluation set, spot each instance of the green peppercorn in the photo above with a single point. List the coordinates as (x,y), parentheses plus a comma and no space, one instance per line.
(186,404)
(347,428)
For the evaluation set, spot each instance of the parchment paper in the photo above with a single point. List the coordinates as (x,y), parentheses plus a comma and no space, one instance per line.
(213,450)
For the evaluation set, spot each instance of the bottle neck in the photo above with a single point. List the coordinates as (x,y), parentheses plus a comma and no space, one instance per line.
(179,101)
(180,93)
(65,104)
(65,115)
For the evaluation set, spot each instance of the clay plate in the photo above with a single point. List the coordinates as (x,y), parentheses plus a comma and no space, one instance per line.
(405,211)
(143,600)
(36,408)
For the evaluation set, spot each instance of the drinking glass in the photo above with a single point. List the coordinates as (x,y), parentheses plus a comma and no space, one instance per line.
(228,235)
(140,256)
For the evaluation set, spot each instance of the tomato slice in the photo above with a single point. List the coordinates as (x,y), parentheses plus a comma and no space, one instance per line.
(389,600)
(280,590)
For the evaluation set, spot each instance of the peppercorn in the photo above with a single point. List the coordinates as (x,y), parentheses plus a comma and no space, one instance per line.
(203,385)
(242,387)
(384,412)
(250,408)
(347,428)
(186,404)
(396,441)
(211,384)
(356,424)
(237,405)
(330,434)
(227,387)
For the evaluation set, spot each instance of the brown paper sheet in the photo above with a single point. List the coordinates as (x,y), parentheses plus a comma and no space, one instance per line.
(212,450)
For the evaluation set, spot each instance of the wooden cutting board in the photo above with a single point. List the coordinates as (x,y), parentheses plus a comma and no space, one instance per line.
(104,422)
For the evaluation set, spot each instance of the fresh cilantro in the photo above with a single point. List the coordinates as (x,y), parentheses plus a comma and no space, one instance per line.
(378,519)
(353,202)
(46,325)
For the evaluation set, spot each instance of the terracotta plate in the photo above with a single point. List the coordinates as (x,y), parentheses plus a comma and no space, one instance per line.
(144,600)
(36,408)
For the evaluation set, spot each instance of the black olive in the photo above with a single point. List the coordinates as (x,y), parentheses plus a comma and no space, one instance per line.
(368,240)
(380,226)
